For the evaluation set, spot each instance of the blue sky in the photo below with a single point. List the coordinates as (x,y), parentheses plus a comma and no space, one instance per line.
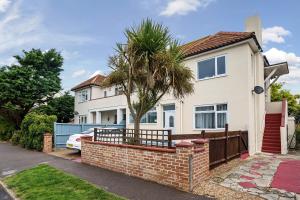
(86,31)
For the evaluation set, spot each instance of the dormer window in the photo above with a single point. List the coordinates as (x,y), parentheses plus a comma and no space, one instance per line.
(211,68)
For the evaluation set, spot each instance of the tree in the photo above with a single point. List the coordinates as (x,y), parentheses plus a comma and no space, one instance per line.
(62,107)
(33,80)
(278,93)
(149,66)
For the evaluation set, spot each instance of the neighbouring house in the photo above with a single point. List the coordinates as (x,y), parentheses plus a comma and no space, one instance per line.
(228,68)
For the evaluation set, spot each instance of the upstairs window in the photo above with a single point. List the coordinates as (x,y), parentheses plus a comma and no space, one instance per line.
(211,67)
(82,96)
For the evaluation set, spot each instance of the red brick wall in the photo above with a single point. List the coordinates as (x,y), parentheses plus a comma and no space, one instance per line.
(47,148)
(182,167)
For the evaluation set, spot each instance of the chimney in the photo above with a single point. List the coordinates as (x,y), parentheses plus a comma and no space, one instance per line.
(253,24)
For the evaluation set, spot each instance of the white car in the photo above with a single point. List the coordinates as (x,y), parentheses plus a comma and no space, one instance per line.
(74,141)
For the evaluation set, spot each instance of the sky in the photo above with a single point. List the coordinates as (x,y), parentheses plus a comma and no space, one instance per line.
(86,31)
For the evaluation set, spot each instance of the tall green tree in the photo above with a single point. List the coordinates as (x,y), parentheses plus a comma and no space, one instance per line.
(62,107)
(149,66)
(33,80)
(278,93)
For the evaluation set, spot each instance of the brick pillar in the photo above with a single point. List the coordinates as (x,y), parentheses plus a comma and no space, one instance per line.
(185,151)
(85,150)
(47,148)
(200,161)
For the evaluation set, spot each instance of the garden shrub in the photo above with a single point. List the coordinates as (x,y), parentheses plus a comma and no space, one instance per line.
(33,128)
(15,139)
(6,129)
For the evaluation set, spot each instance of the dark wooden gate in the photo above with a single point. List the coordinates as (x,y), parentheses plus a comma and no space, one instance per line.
(224,146)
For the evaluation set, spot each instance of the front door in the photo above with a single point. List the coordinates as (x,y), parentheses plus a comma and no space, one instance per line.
(169,119)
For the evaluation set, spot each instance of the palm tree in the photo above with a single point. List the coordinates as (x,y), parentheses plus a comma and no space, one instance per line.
(149,66)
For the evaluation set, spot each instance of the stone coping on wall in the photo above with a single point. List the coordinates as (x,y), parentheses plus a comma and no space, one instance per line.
(88,139)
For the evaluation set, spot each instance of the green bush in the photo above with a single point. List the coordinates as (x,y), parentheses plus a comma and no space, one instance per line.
(33,128)
(15,139)
(6,129)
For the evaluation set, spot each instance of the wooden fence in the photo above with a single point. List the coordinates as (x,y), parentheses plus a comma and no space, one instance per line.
(223,146)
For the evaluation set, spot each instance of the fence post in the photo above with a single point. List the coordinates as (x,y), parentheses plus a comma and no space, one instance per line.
(226,141)
(203,133)
(240,143)
(169,139)
(95,134)
(54,135)
(124,135)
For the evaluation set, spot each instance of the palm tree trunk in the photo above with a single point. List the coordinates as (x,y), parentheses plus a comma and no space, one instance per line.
(136,130)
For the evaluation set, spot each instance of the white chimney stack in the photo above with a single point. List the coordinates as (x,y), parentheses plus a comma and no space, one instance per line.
(253,24)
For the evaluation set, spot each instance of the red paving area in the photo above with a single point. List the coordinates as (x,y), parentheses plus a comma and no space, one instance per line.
(287,176)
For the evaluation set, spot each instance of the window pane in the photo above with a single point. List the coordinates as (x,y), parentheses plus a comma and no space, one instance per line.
(152,117)
(222,120)
(130,119)
(144,119)
(206,68)
(205,120)
(205,108)
(221,107)
(221,65)
(169,107)
(171,121)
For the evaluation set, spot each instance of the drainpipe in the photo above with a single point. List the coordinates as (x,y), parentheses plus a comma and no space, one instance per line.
(181,128)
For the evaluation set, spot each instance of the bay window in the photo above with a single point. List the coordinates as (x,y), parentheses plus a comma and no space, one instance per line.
(210,116)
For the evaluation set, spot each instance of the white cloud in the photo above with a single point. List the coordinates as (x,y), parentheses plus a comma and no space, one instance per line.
(275,34)
(8,61)
(96,73)
(18,29)
(80,72)
(183,7)
(275,55)
(4,4)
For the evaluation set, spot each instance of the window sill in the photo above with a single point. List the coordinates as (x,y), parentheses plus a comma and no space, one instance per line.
(144,123)
(209,129)
(208,78)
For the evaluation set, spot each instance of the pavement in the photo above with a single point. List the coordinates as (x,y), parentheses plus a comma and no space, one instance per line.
(4,195)
(256,177)
(14,159)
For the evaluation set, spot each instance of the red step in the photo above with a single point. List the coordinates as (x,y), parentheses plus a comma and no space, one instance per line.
(271,138)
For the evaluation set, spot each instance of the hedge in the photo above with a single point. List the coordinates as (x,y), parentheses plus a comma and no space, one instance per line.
(33,128)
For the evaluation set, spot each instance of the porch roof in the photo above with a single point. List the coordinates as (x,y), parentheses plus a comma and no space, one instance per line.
(276,70)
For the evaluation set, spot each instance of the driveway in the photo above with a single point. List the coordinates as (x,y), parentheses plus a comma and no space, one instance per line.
(14,159)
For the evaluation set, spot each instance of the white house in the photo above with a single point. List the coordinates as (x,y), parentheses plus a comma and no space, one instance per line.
(227,67)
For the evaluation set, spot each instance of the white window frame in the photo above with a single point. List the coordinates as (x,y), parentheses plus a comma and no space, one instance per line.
(153,110)
(80,119)
(216,68)
(81,95)
(210,111)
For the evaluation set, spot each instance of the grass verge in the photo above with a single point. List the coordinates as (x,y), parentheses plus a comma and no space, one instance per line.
(46,182)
